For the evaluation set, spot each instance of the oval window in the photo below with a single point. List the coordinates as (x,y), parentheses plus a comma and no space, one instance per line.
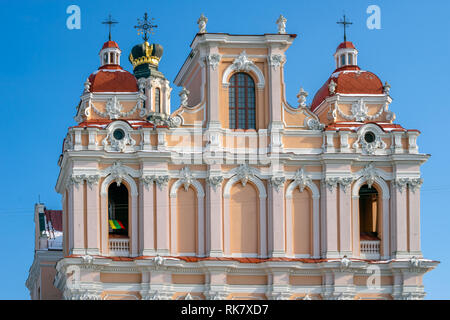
(369,137)
(118,134)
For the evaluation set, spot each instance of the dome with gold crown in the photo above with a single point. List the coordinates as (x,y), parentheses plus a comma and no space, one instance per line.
(145,58)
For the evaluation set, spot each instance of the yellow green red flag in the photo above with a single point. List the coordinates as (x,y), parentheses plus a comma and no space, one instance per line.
(116,224)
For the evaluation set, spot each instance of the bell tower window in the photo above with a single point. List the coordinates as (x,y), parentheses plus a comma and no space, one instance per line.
(342,60)
(118,210)
(242,111)
(350,59)
(368,213)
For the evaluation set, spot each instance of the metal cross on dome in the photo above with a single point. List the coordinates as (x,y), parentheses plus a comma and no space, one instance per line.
(344,24)
(145,26)
(110,22)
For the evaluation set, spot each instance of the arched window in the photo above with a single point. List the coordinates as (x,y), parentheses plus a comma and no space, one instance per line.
(368,213)
(242,102)
(118,210)
(105,58)
(157,100)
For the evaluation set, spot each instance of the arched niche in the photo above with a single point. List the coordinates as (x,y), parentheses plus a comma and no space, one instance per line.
(262,195)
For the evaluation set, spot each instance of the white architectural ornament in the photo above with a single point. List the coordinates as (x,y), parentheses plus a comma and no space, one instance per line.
(275,61)
(142,84)
(87,259)
(111,143)
(412,183)
(370,174)
(174,122)
(118,172)
(302,94)
(186,178)
(281,22)
(215,295)
(415,264)
(188,297)
(90,296)
(202,24)
(415,184)
(159,261)
(113,108)
(242,63)
(147,180)
(369,147)
(76,179)
(68,143)
(359,112)
(184,93)
(87,86)
(345,263)
(386,88)
(332,87)
(215,181)
(244,173)
(332,113)
(214,59)
(302,179)
(277,182)
(92,180)
(161,181)
(314,124)
(331,183)
(345,183)
(156,295)
(400,183)
(307,297)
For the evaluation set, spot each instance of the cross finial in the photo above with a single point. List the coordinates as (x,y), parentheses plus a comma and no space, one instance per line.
(344,24)
(145,26)
(110,22)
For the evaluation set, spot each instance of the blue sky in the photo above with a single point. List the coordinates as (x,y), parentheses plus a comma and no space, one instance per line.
(45,65)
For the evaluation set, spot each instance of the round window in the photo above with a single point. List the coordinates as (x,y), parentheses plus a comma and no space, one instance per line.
(118,134)
(369,137)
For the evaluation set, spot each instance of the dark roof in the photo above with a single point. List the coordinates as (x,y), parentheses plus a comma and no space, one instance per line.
(55,218)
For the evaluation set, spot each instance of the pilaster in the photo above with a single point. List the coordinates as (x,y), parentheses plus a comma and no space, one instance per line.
(399,219)
(93,218)
(277,221)
(146,218)
(330,218)
(214,214)
(162,216)
(78,224)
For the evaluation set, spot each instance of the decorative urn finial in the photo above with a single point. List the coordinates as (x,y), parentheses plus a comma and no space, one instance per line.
(332,87)
(302,94)
(184,93)
(386,87)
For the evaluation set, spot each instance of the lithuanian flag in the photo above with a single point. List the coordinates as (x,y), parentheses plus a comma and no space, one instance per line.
(116,224)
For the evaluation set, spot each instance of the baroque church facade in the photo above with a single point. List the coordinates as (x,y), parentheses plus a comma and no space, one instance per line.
(236,194)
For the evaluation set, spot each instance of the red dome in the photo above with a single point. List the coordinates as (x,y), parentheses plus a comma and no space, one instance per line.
(112,78)
(350,80)
(345,45)
(110,44)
